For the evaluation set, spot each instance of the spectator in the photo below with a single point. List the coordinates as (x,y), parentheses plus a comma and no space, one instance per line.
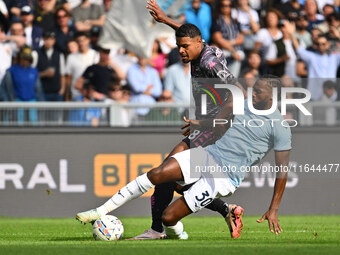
(125,60)
(227,35)
(315,33)
(5,55)
(268,34)
(252,72)
(21,83)
(281,55)
(145,84)
(85,116)
(291,9)
(174,57)
(329,91)
(16,38)
(44,15)
(107,5)
(33,33)
(15,6)
(163,114)
(64,29)
(249,22)
(51,67)
(158,59)
(327,11)
(313,17)
(72,46)
(301,69)
(87,15)
(326,3)
(320,64)
(94,37)
(177,82)
(329,96)
(199,14)
(301,32)
(99,75)
(119,95)
(77,63)
(333,31)
(115,92)
(4,16)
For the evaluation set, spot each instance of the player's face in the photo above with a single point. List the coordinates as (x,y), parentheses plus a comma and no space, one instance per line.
(189,48)
(262,95)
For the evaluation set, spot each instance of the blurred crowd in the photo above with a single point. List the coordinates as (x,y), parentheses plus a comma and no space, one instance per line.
(49,50)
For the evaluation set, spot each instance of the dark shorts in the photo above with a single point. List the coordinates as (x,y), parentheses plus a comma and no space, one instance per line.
(200,138)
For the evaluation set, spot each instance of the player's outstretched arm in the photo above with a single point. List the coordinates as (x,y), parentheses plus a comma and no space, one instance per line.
(281,159)
(158,14)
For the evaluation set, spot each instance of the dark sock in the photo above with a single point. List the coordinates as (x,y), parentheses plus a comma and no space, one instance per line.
(160,200)
(218,205)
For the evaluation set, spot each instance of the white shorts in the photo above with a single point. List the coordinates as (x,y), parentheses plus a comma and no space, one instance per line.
(207,186)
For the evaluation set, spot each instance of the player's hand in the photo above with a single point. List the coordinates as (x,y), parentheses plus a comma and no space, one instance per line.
(191,124)
(273,221)
(186,132)
(156,11)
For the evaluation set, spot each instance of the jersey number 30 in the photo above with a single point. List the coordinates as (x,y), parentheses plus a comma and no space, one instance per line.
(203,200)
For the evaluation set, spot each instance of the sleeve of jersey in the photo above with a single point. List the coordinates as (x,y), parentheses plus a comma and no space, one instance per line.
(218,69)
(282,137)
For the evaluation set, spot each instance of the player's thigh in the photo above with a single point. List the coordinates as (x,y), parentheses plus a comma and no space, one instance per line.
(182,146)
(168,171)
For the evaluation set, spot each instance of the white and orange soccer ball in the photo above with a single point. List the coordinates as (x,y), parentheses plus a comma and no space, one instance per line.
(107,228)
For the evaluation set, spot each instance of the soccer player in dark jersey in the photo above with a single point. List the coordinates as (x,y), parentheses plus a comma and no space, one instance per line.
(206,62)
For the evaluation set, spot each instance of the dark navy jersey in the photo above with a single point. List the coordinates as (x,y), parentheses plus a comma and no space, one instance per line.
(208,69)
(211,63)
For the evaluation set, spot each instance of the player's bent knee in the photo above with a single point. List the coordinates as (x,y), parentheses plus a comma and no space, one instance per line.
(156,175)
(168,219)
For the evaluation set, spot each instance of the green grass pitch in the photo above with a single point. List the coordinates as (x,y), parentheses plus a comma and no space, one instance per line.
(207,235)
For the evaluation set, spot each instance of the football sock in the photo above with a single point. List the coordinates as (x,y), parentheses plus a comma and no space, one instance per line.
(132,190)
(174,232)
(218,205)
(160,200)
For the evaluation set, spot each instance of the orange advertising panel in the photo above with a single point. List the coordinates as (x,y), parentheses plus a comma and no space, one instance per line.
(110,174)
(142,163)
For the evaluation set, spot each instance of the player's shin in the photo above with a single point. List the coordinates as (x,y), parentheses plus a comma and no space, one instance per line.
(132,190)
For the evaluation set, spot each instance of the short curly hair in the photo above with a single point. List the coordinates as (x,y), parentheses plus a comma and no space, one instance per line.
(188,30)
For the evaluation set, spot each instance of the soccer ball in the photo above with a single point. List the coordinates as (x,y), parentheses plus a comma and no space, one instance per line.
(107,228)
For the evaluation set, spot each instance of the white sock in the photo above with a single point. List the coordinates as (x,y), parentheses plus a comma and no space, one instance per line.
(174,232)
(132,190)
